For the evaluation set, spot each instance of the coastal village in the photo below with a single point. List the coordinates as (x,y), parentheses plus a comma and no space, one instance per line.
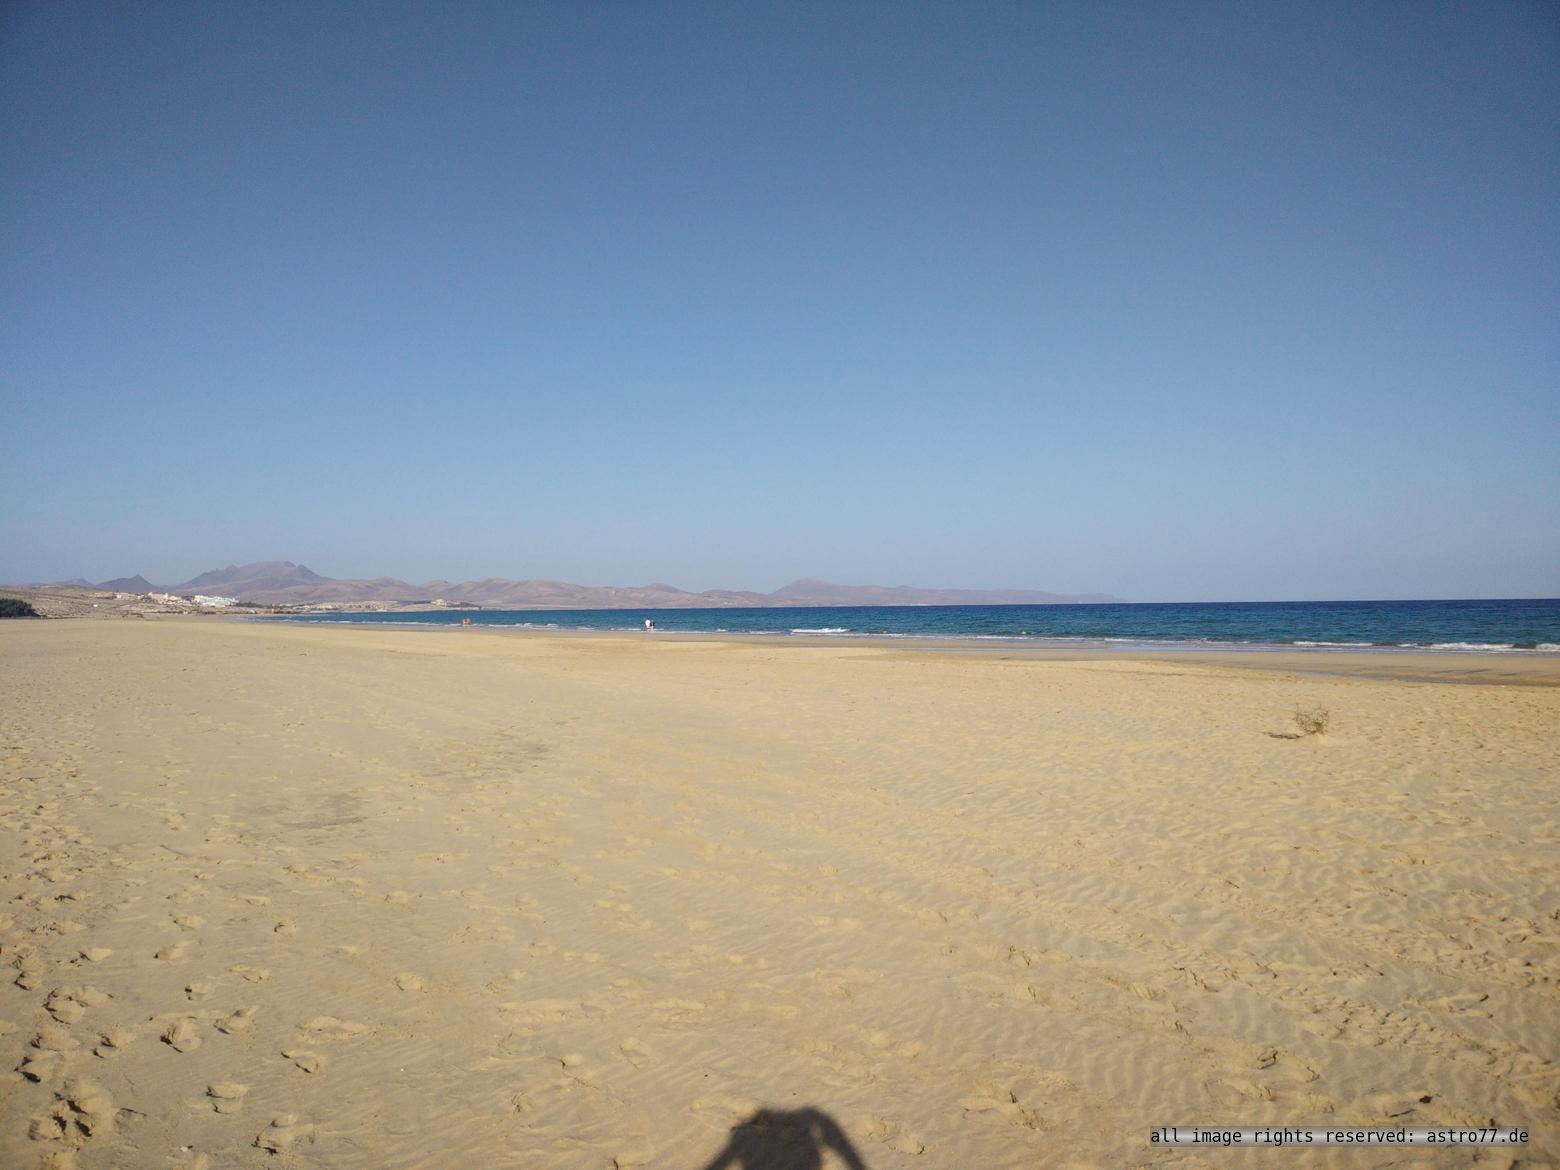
(78,601)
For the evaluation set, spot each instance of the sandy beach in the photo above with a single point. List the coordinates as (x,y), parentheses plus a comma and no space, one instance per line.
(291,896)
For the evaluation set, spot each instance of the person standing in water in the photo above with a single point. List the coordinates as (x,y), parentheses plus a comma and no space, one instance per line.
(649,624)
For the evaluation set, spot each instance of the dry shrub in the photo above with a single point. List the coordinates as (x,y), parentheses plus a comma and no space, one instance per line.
(1312,720)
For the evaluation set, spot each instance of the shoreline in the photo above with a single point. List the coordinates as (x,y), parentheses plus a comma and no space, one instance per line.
(1533,668)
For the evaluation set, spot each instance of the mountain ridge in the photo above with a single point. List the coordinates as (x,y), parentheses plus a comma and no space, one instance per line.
(290,583)
(136,584)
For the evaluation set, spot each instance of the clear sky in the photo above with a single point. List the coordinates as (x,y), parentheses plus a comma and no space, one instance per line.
(1175,301)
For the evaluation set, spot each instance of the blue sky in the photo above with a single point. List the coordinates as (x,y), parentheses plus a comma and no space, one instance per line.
(1172,301)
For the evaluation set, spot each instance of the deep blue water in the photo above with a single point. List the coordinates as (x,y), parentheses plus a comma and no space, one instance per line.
(1532,626)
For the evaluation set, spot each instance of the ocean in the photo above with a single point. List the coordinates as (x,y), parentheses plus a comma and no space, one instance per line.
(1513,626)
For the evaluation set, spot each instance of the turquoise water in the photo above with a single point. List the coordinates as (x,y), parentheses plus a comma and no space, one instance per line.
(1531,626)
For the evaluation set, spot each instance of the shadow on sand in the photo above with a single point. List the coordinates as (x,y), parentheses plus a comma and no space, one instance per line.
(785,1139)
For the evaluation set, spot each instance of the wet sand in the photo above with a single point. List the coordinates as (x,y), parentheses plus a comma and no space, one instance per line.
(1507,668)
(350,897)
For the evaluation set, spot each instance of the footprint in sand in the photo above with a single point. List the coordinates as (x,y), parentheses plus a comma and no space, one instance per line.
(1001,1101)
(574,1068)
(226,1096)
(250,974)
(41,1066)
(406,981)
(1248,1089)
(309,1062)
(890,1133)
(69,1004)
(112,1042)
(174,952)
(182,1036)
(284,1132)
(53,1038)
(82,1109)
(31,972)
(332,1029)
(635,1052)
(195,992)
(241,1020)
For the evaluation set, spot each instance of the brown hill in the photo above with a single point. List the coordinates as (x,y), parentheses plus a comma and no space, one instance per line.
(136,584)
(287,583)
(261,576)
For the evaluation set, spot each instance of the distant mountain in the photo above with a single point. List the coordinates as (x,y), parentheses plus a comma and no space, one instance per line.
(262,576)
(286,583)
(136,584)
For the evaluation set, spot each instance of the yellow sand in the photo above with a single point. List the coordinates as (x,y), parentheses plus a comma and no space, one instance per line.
(344,897)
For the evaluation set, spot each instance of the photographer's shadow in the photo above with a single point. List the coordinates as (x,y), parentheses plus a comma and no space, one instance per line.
(785,1139)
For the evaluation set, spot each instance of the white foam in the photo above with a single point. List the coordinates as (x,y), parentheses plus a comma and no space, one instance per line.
(1545,647)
